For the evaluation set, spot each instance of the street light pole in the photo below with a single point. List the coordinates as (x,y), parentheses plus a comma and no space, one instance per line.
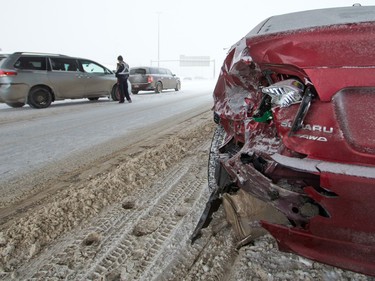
(158,38)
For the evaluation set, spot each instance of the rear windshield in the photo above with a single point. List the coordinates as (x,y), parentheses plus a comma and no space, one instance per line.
(141,71)
(32,63)
(2,58)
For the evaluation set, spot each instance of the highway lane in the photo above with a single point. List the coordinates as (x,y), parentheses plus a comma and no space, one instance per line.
(31,138)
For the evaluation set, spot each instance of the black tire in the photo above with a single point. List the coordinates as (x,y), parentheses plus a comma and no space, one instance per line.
(15,104)
(93,99)
(217,141)
(39,97)
(178,86)
(135,92)
(158,87)
(114,93)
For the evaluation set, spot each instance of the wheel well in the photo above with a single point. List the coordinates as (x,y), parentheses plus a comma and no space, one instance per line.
(45,87)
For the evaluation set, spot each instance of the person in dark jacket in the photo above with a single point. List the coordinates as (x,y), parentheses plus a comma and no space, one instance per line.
(122,74)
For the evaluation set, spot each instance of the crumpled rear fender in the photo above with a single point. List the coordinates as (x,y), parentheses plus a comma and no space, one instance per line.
(329,223)
(346,237)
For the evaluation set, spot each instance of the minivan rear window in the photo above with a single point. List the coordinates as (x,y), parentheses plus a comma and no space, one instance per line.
(64,64)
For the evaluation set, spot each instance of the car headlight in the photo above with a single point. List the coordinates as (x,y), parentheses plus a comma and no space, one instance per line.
(285,93)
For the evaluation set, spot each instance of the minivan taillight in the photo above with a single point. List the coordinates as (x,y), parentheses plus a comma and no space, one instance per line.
(150,79)
(4,73)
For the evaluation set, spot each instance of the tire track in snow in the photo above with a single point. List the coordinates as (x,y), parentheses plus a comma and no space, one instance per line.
(116,242)
(144,248)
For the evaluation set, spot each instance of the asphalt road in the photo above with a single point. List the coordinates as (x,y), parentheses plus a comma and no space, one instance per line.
(32,138)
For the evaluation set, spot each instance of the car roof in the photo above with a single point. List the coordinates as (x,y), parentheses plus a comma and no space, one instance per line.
(315,18)
(39,54)
(157,67)
(145,67)
(135,67)
(149,68)
(47,55)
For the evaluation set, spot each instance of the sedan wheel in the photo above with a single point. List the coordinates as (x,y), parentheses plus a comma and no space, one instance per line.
(178,86)
(114,93)
(39,97)
(158,87)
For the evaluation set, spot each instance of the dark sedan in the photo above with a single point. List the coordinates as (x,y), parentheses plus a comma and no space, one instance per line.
(153,79)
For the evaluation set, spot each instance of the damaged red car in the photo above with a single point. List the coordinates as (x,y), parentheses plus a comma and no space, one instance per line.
(294,149)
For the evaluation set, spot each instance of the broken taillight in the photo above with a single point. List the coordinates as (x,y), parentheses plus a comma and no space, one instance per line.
(150,79)
(285,93)
(4,73)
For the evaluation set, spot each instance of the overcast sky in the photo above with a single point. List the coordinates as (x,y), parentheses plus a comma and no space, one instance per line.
(102,29)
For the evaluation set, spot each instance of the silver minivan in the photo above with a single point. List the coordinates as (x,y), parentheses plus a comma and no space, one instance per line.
(39,79)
